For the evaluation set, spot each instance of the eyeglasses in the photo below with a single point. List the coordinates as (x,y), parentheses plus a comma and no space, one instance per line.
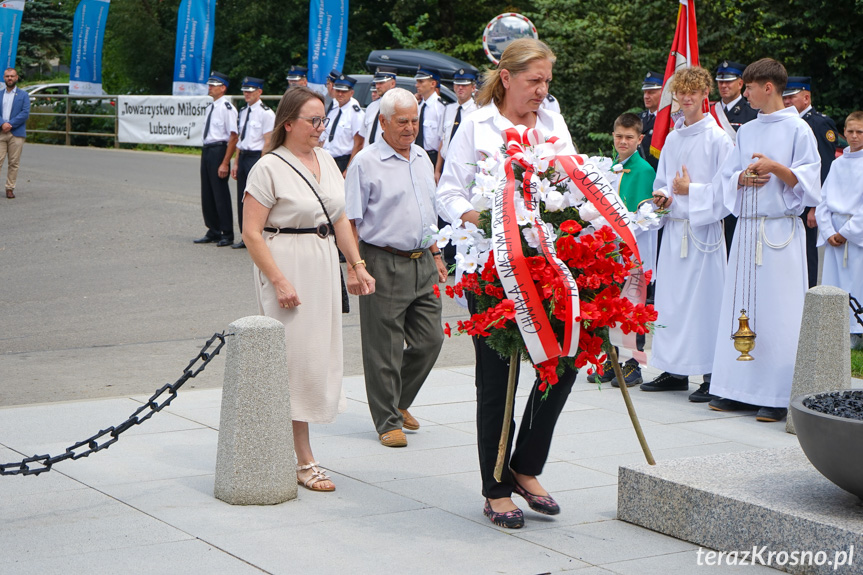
(317,121)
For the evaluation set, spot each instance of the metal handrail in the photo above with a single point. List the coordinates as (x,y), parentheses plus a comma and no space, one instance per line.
(112,101)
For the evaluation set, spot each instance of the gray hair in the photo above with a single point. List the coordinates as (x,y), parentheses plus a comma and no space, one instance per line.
(396,98)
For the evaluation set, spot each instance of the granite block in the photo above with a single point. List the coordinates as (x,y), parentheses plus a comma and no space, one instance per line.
(823,362)
(772,499)
(255,458)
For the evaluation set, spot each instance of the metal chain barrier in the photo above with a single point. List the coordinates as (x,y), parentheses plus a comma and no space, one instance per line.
(856,308)
(107,437)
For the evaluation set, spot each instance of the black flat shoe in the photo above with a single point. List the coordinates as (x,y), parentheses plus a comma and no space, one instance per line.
(544,504)
(205,240)
(240,245)
(771,414)
(510,519)
(224,242)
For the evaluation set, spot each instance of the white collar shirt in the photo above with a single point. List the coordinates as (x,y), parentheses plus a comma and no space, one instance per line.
(253,122)
(390,198)
(449,115)
(350,123)
(8,99)
(731,104)
(434,109)
(222,116)
(806,111)
(369,119)
(481,136)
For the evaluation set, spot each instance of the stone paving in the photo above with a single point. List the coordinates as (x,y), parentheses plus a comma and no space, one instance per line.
(146,504)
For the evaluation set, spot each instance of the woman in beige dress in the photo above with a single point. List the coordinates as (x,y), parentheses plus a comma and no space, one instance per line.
(296,270)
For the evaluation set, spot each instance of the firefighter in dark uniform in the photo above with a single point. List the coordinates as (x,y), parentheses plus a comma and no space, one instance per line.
(651,88)
(798,94)
(729,82)
(255,124)
(736,109)
(219,142)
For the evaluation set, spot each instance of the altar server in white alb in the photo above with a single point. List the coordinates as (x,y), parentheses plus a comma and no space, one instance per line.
(775,164)
(692,253)
(840,217)
(343,138)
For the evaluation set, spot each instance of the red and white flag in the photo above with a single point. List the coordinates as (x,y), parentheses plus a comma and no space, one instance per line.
(683,54)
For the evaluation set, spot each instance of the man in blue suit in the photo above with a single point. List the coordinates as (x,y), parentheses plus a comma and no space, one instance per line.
(15,111)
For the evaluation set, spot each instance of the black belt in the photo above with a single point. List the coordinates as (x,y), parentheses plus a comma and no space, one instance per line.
(323,230)
(215,145)
(412,254)
(250,152)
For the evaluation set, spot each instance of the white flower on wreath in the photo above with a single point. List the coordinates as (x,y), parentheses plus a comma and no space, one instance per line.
(588,212)
(523,216)
(555,201)
(466,262)
(464,236)
(489,164)
(646,217)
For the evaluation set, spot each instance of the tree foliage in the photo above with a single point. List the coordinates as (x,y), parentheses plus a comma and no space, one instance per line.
(604,48)
(45,31)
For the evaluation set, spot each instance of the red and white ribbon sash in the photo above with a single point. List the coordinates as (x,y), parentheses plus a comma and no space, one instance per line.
(514,273)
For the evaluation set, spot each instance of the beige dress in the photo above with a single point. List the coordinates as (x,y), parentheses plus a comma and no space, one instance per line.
(313,330)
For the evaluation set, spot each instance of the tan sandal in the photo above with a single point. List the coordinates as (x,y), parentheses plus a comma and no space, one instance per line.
(317,476)
(409,422)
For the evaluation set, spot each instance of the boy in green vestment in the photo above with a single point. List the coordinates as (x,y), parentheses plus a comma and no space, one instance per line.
(635,187)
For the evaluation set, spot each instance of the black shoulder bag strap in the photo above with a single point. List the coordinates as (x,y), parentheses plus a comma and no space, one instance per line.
(346,306)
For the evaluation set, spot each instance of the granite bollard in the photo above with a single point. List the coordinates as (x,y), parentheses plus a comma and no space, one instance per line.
(823,358)
(255,458)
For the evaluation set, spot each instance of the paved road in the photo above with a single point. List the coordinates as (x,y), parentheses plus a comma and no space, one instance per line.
(102,292)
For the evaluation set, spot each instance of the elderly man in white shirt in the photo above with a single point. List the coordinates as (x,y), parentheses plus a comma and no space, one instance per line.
(390,200)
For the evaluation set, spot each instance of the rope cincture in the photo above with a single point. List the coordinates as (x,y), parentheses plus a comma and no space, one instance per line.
(105,438)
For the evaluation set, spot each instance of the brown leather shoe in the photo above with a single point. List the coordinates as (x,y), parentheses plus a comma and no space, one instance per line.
(10,194)
(409,422)
(394,438)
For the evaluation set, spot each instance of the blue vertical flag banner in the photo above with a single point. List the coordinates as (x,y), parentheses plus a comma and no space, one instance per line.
(328,38)
(10,25)
(88,31)
(196,26)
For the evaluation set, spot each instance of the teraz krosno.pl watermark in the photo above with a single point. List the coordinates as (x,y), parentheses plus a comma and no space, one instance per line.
(763,556)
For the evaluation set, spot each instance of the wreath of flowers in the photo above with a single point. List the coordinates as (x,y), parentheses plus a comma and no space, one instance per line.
(598,261)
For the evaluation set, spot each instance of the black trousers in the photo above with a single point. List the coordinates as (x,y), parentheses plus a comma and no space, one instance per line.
(245,161)
(811,249)
(537,426)
(342,162)
(215,194)
(730,222)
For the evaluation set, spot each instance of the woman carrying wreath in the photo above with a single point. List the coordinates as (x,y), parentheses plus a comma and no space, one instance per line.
(511,95)
(293,209)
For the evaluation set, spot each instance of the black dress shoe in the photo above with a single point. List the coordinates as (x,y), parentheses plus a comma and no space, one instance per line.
(205,240)
(224,242)
(667,382)
(771,414)
(723,404)
(239,245)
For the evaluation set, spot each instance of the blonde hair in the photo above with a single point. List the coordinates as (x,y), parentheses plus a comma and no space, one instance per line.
(689,80)
(516,58)
(854,117)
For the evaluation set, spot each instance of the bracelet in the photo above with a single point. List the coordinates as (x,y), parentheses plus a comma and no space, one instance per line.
(437,255)
(354,266)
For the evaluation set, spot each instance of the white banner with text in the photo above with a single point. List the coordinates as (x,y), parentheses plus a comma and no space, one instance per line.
(169,120)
